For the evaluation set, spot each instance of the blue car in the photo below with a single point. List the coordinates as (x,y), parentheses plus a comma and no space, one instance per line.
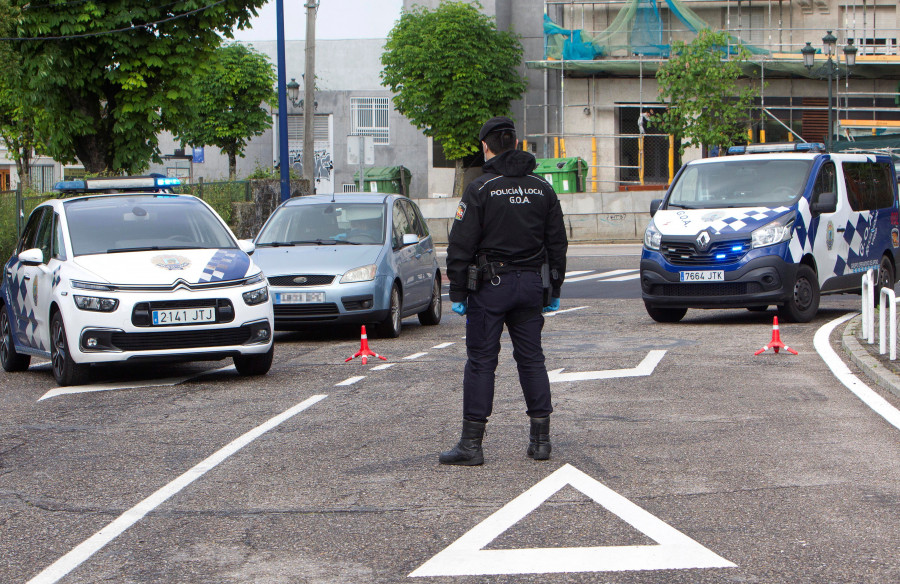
(350,259)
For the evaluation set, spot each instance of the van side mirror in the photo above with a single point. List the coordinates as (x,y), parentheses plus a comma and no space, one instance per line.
(654,206)
(826,203)
(32,257)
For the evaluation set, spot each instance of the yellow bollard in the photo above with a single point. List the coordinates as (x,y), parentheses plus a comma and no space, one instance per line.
(671,158)
(641,158)
(562,146)
(594,164)
(762,136)
(556,147)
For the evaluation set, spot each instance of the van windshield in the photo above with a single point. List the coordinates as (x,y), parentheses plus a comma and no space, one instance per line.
(740,183)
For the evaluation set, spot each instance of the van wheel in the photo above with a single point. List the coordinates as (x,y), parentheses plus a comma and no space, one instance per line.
(885,278)
(665,314)
(803,302)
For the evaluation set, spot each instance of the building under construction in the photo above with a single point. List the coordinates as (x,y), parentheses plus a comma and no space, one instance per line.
(600,59)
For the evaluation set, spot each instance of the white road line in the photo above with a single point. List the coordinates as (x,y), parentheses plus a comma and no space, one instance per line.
(415,356)
(598,276)
(167,381)
(842,372)
(555,312)
(572,274)
(93,544)
(442,345)
(385,366)
(623,278)
(350,381)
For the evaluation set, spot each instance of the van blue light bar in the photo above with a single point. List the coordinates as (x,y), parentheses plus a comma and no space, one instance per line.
(118,183)
(778,147)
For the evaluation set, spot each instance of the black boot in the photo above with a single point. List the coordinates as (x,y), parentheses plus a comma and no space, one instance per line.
(468,451)
(539,446)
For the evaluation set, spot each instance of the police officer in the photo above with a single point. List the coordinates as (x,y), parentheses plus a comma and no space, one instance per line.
(506,261)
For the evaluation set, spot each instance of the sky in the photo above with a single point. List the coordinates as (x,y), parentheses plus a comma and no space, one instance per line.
(335,19)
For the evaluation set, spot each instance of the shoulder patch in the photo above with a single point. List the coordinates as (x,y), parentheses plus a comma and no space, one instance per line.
(460,211)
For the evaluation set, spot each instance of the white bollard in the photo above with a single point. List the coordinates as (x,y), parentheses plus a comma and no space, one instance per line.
(868,306)
(887,302)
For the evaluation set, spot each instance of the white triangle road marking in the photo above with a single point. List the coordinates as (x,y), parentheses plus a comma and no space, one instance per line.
(673,550)
(643,368)
(598,276)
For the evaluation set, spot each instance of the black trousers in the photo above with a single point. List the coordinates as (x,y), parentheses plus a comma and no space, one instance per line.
(517,301)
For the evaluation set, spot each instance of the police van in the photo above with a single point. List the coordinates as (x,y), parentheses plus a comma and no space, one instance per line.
(770,225)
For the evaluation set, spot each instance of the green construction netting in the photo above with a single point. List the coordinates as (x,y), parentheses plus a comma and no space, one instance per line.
(636,30)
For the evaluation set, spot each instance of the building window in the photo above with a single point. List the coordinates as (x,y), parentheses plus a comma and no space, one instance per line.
(370,117)
(42,178)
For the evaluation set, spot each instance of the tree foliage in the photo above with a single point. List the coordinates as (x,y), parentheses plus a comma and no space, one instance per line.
(452,70)
(123,72)
(18,118)
(232,89)
(706,106)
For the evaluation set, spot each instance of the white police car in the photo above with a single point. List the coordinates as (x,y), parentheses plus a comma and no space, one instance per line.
(771,225)
(137,275)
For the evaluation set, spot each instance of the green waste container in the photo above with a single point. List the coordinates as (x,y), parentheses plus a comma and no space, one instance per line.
(567,175)
(385,179)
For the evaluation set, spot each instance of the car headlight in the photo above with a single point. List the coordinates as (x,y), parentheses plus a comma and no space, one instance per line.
(96,303)
(361,274)
(782,229)
(652,237)
(257,296)
(254,279)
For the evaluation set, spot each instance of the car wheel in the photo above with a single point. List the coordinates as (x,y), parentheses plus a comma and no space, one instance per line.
(884,278)
(390,326)
(9,358)
(432,315)
(660,314)
(258,364)
(803,302)
(65,369)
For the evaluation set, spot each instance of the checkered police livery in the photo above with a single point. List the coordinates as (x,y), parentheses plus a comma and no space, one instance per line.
(142,275)
(770,229)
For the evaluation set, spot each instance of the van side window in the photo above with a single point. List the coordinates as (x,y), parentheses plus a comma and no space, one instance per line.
(826,182)
(868,185)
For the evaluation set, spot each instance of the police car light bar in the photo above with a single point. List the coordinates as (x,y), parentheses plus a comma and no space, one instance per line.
(118,183)
(778,147)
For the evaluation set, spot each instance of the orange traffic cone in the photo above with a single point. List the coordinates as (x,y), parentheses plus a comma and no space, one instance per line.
(364,350)
(776,343)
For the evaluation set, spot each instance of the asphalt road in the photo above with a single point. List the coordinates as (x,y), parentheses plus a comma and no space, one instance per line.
(683,458)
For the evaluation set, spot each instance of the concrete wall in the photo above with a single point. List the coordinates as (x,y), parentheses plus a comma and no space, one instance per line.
(618,217)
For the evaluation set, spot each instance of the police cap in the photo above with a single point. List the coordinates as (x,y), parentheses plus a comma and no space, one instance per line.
(498,124)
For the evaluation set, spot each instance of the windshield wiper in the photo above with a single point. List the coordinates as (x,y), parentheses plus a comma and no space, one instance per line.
(322,242)
(277,244)
(679,206)
(153,248)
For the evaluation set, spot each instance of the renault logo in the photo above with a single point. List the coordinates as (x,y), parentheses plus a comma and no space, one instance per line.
(703,240)
(300,280)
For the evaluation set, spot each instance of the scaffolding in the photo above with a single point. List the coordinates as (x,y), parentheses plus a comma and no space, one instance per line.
(577,118)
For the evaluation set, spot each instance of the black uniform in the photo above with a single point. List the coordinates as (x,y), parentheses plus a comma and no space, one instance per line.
(510,219)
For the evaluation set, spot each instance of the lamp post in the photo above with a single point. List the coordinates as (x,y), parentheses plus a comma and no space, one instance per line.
(828,70)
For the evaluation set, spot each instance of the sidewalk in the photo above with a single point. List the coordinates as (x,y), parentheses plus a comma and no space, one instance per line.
(878,368)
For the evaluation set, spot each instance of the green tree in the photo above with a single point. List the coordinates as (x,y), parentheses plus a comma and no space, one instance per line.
(18,119)
(233,87)
(112,75)
(451,70)
(706,106)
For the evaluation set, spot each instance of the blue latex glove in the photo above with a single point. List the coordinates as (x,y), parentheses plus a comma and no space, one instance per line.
(554,305)
(459,308)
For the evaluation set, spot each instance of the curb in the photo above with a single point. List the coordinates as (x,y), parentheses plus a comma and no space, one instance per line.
(869,365)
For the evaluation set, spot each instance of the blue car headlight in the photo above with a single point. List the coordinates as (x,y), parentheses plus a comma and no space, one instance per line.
(360,274)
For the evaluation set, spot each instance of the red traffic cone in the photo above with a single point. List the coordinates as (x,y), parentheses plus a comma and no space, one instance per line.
(364,350)
(776,343)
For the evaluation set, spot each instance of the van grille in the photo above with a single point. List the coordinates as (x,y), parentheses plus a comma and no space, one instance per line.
(685,253)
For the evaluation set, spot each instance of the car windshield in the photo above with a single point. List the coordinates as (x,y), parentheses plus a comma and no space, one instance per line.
(740,183)
(146,222)
(325,224)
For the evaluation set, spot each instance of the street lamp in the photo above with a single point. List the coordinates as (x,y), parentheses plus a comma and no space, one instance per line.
(828,70)
(293,93)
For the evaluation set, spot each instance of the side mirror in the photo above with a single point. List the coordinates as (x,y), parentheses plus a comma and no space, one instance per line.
(410,238)
(32,257)
(247,246)
(654,206)
(827,203)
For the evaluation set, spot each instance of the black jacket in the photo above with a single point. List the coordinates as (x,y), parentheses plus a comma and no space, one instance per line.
(508,214)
